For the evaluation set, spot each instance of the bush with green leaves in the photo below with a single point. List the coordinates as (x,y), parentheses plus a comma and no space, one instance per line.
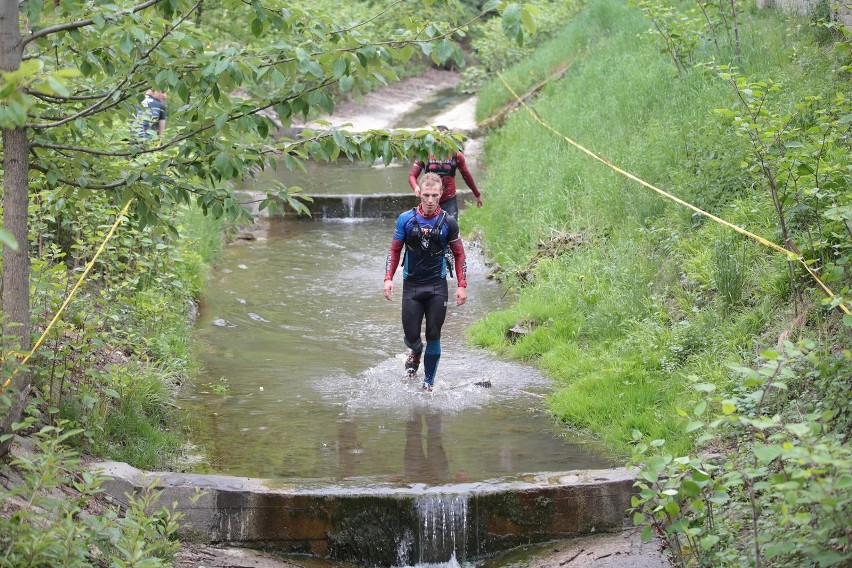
(55,515)
(799,152)
(774,486)
(112,362)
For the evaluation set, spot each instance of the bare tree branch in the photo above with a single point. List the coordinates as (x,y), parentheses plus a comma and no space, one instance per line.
(60,99)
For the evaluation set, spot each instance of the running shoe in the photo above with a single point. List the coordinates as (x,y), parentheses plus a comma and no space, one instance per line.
(412,363)
(427,387)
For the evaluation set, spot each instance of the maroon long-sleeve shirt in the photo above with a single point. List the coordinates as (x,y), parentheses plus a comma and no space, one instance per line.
(447,170)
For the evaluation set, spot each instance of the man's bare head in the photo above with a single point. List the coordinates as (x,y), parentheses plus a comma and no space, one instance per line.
(431,180)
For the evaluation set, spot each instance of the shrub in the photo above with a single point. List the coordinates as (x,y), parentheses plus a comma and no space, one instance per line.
(53,518)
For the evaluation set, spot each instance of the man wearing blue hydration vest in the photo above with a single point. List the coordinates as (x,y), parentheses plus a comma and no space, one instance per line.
(426,232)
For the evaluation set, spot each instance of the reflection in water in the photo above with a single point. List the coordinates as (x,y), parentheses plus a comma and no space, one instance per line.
(427,465)
(348,449)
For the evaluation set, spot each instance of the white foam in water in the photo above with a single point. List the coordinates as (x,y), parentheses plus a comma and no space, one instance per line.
(385,386)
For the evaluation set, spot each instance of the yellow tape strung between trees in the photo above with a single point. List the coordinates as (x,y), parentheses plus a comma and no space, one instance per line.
(83,276)
(789,254)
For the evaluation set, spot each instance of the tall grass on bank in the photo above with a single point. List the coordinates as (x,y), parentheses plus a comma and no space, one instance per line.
(112,364)
(653,294)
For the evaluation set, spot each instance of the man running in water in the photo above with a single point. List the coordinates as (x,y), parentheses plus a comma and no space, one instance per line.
(447,170)
(426,232)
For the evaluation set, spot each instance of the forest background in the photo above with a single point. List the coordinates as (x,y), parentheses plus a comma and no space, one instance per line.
(725,358)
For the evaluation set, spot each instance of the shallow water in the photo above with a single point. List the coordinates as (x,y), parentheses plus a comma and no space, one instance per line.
(303,376)
(303,358)
(422,113)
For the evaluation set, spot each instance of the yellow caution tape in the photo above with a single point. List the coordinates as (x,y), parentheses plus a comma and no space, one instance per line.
(766,242)
(80,280)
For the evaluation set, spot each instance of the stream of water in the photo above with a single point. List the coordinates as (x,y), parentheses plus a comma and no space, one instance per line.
(303,380)
(303,373)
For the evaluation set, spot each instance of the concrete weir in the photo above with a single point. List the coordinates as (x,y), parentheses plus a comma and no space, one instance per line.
(376,205)
(386,525)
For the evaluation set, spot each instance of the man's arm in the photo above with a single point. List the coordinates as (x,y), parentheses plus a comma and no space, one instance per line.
(461,262)
(416,168)
(393,259)
(390,267)
(461,271)
(468,178)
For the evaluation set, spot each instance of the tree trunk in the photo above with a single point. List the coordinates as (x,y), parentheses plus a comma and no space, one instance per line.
(16,264)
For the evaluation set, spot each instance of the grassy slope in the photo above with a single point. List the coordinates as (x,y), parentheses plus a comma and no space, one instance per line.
(625,318)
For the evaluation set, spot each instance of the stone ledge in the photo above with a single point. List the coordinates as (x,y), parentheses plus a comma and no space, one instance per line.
(372,524)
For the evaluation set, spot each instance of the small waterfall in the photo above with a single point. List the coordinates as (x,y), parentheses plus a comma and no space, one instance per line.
(442,534)
(349,205)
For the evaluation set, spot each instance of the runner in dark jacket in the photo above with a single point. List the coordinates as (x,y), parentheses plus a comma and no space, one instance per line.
(426,232)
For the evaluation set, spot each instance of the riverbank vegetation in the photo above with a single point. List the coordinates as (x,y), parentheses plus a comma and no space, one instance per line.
(717,361)
(102,377)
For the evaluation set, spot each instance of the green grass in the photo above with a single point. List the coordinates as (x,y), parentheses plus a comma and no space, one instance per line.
(127,416)
(125,408)
(654,294)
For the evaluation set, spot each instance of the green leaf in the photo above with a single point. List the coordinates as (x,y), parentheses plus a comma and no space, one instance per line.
(690,488)
(346,83)
(843,482)
(339,67)
(528,19)
(728,407)
(444,50)
(647,533)
(709,541)
(256,27)
(672,508)
(8,239)
(766,453)
(799,429)
(223,166)
(126,44)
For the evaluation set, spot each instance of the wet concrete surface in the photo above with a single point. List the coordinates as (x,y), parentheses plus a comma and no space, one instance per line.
(619,550)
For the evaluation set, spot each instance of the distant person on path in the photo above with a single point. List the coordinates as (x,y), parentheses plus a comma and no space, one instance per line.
(150,116)
(426,232)
(447,170)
